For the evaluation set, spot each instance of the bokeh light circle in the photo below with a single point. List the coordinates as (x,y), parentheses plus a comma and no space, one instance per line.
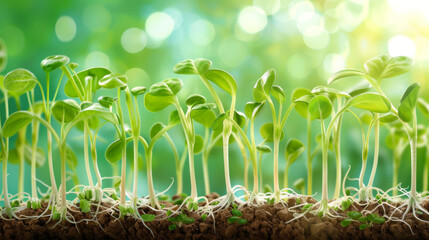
(97,59)
(137,77)
(270,7)
(252,19)
(159,26)
(65,28)
(401,45)
(134,40)
(202,32)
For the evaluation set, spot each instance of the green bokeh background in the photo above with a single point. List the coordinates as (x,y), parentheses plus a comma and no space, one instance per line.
(305,41)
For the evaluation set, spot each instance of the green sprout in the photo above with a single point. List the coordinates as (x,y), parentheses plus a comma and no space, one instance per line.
(293,149)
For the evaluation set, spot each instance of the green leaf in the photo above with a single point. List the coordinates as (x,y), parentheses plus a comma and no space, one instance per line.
(13,156)
(167,88)
(53,62)
(329,92)
(388,118)
(384,66)
(189,66)
(114,151)
(252,109)
(346,222)
(423,106)
(38,107)
(294,148)
(199,144)
(363,226)
(239,118)
(236,212)
(204,116)
(320,107)
(299,184)
(40,155)
(345,73)
(148,217)
(95,110)
(379,220)
(19,80)
(264,148)
(136,91)
(199,109)
(267,132)
(84,205)
(93,74)
(65,110)
(204,216)
(370,101)
(262,88)
(278,94)
(113,80)
(15,122)
(156,103)
(223,80)
(155,129)
(218,122)
(359,88)
(354,214)
(172,227)
(366,118)
(174,118)
(232,219)
(3,55)
(301,97)
(106,102)
(408,102)
(71,158)
(195,99)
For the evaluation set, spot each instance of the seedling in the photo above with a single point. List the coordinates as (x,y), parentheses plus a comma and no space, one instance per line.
(236,216)
(293,149)
(364,221)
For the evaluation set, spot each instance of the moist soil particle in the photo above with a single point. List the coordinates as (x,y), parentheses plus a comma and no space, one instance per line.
(264,222)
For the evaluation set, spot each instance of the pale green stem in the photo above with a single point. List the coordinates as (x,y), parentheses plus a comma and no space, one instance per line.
(63,153)
(337,150)
(214,94)
(86,154)
(205,159)
(413,147)
(124,150)
(261,182)
(376,150)
(309,158)
(95,164)
(426,171)
(20,149)
(285,183)
(34,139)
(5,150)
(136,167)
(325,142)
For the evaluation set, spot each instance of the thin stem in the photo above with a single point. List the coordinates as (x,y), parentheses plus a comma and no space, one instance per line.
(325,142)
(309,158)
(63,153)
(260,169)
(376,150)
(214,94)
(34,139)
(124,149)
(205,159)
(136,167)
(20,148)
(337,150)
(426,171)
(5,150)
(413,147)
(285,183)
(86,153)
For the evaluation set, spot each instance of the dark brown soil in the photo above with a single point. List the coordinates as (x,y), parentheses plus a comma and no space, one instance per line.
(265,222)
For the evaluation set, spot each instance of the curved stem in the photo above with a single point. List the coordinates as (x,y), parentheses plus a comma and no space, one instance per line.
(376,150)
(214,94)
(205,159)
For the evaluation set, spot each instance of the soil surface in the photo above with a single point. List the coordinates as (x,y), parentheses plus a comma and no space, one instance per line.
(264,222)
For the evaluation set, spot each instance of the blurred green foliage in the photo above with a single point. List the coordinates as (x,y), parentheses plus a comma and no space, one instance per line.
(305,41)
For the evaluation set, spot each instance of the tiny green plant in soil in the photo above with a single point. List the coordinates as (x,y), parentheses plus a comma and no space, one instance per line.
(98,98)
